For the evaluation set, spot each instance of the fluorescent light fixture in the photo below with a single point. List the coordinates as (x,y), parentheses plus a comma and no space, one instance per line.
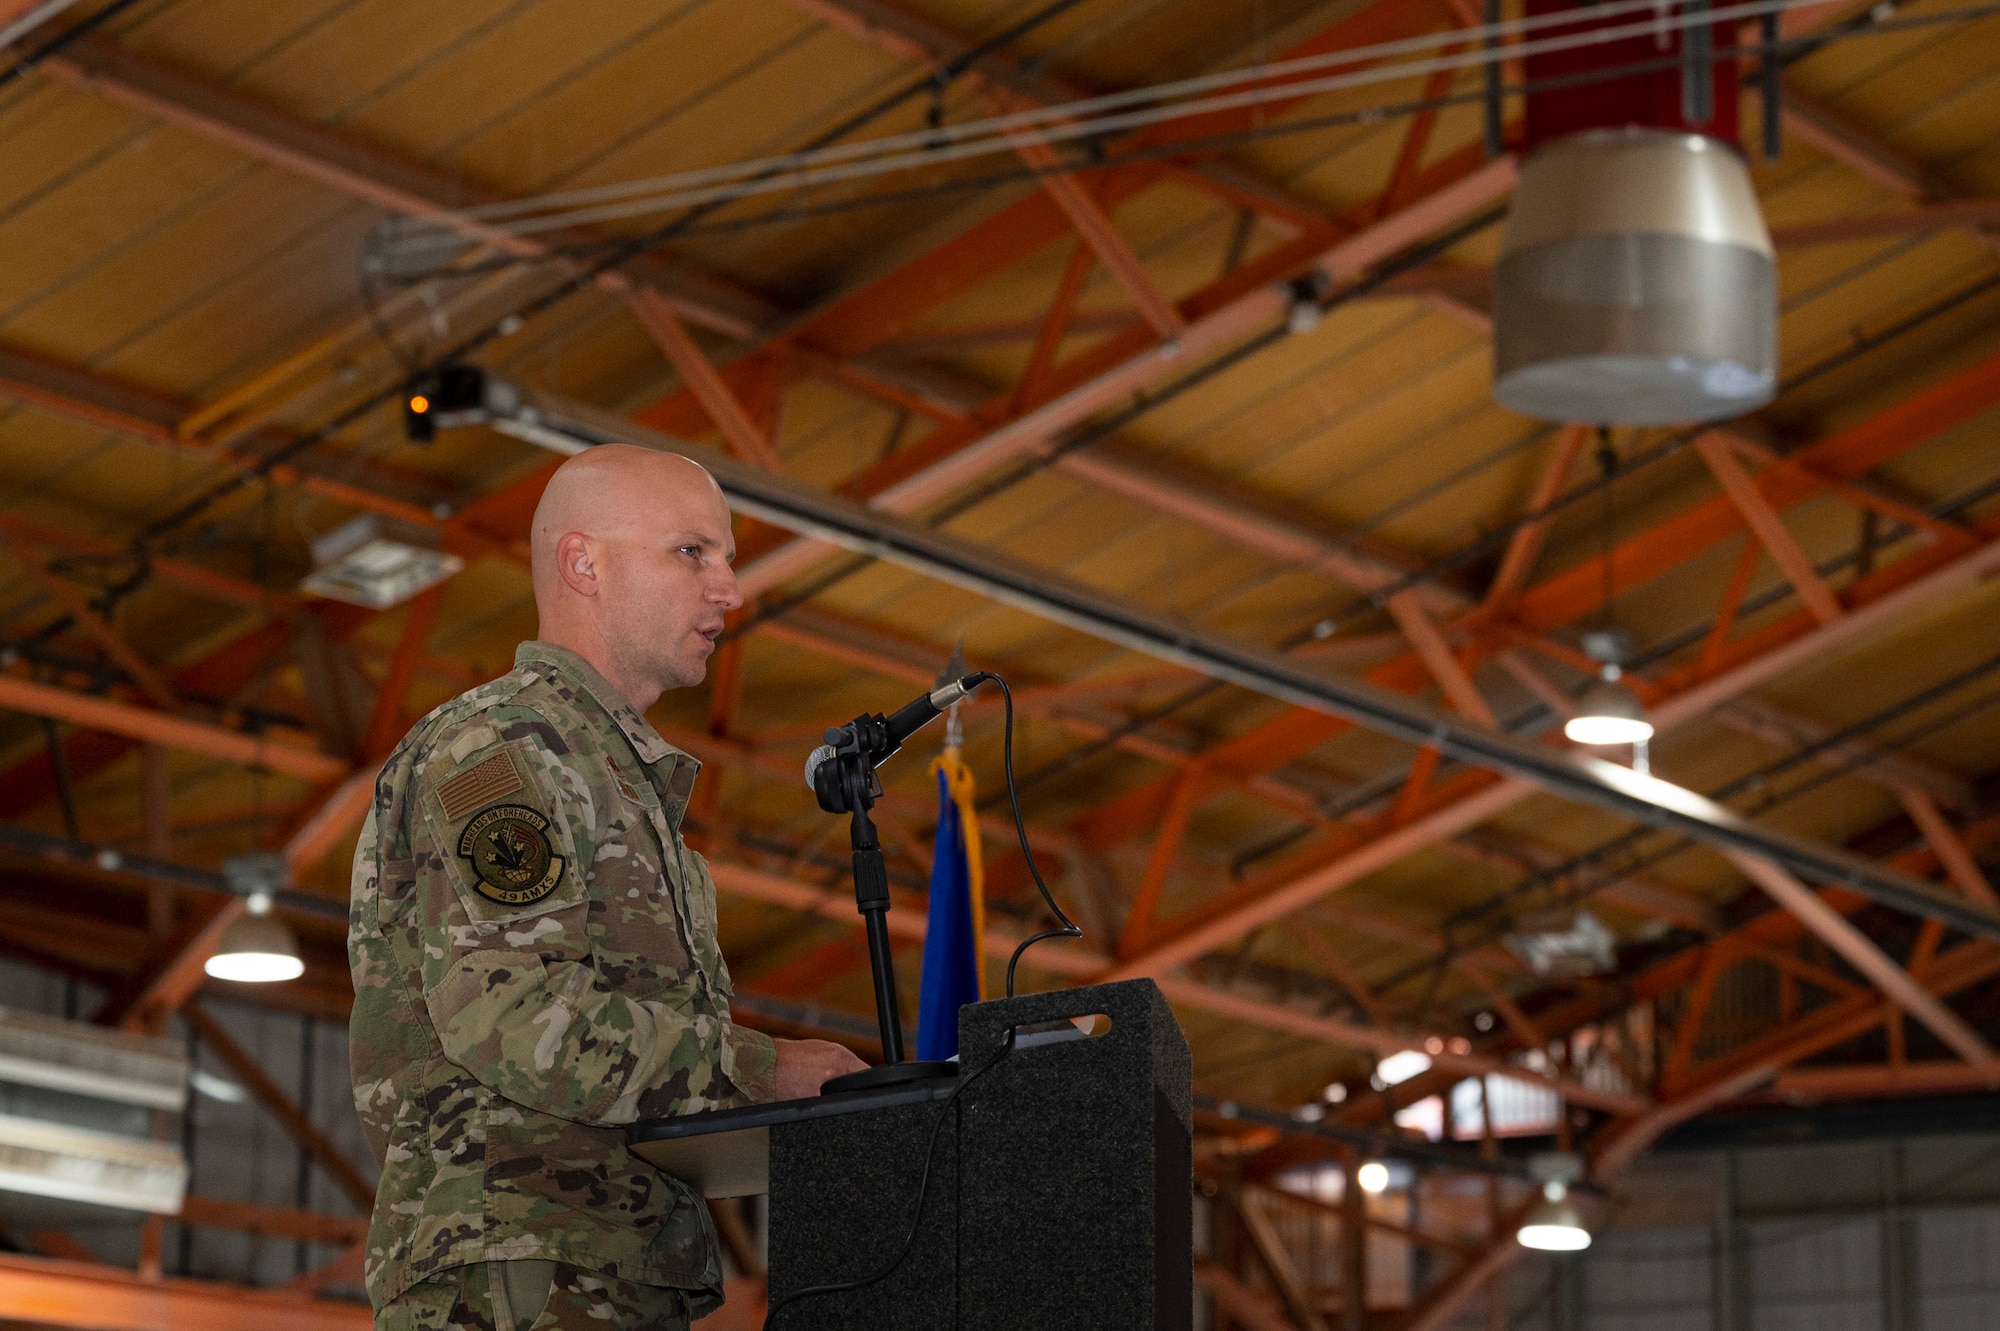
(1608,713)
(82,1103)
(1561,944)
(48,1159)
(1373,1176)
(372,562)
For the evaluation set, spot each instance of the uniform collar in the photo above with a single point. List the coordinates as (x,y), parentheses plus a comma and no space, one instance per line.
(646,741)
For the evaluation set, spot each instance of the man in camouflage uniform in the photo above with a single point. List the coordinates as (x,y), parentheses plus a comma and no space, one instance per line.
(533,946)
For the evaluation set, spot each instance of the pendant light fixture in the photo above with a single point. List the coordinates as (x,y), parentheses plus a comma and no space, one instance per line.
(1555,1225)
(1608,712)
(1636,283)
(259,948)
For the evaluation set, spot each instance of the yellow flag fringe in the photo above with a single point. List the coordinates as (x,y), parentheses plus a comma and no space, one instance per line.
(958,781)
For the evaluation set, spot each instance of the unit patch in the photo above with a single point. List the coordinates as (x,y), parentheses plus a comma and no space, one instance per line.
(479,785)
(508,848)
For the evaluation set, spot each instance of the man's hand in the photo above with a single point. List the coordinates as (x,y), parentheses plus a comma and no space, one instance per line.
(803,1065)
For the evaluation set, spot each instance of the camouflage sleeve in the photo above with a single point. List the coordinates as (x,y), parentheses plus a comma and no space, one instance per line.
(756,1071)
(518,980)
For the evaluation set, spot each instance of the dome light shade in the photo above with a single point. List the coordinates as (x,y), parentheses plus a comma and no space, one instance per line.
(1636,283)
(1555,1225)
(258,949)
(1608,713)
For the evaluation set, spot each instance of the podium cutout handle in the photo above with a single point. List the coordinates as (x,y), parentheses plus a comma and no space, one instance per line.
(1062,1030)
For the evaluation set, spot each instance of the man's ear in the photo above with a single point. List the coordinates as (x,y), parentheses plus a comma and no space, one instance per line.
(576,562)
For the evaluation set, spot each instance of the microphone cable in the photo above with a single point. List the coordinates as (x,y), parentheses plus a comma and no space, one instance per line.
(1067,928)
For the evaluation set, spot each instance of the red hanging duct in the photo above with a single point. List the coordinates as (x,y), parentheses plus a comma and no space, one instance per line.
(1636,283)
(1573,95)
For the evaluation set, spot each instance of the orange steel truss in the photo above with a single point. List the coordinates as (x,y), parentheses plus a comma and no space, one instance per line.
(1447,637)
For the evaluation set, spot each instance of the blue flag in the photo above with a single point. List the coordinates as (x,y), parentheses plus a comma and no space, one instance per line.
(952,974)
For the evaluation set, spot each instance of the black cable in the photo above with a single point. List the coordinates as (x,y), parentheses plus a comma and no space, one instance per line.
(364,282)
(889,1268)
(1087,435)
(1492,540)
(621,251)
(624,251)
(68,35)
(1748,781)
(1067,929)
(622,254)
(1204,145)
(1798,48)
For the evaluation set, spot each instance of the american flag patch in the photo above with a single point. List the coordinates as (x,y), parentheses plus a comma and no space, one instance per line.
(479,785)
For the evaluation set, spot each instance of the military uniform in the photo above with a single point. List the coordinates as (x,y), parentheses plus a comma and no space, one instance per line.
(535,965)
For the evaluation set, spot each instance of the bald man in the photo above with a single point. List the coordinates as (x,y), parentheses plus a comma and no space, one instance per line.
(533,945)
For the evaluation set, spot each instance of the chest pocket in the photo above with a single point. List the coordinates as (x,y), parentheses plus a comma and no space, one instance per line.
(640,885)
(674,777)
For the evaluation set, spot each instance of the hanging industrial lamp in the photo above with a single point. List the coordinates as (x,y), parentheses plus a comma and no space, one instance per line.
(1636,283)
(1555,1225)
(1608,712)
(259,948)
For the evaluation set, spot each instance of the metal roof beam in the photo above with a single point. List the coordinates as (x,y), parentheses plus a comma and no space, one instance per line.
(296,1121)
(149,417)
(1759,936)
(345,163)
(1477,797)
(1578,589)
(105,1298)
(342,162)
(1077,963)
(784,502)
(1833,928)
(884,307)
(1133,363)
(1616,1149)
(175,732)
(1862,150)
(912,37)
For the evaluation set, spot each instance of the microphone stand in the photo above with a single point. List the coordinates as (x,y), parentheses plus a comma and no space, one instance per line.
(846,783)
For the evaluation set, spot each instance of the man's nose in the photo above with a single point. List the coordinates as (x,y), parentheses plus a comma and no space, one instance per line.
(723,591)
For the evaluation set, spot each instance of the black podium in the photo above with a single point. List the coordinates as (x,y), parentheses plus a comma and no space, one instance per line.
(1059,1194)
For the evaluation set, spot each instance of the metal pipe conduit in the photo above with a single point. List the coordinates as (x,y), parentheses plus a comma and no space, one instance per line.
(109,859)
(811,512)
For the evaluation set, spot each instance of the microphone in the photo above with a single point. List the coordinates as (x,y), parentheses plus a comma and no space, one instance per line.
(879,737)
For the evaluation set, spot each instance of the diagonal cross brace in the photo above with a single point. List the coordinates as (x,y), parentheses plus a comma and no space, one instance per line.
(784,502)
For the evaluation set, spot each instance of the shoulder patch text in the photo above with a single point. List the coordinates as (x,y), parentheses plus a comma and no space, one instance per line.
(508,848)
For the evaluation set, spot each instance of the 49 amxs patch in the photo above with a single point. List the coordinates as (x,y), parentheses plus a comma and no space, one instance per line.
(508,848)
